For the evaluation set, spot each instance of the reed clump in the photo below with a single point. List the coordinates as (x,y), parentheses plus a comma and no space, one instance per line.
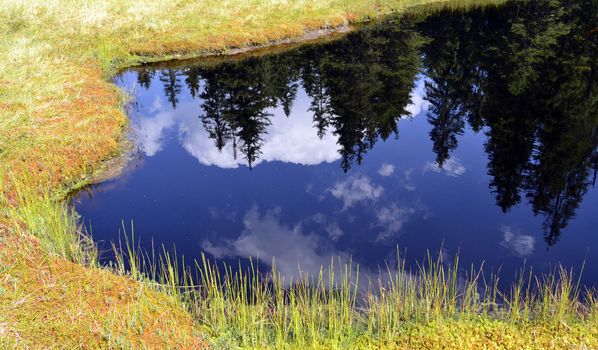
(338,307)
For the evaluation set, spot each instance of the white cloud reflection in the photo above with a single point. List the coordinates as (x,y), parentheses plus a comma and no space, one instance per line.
(418,103)
(356,189)
(289,139)
(334,231)
(519,244)
(295,252)
(407,182)
(150,131)
(386,169)
(266,238)
(452,167)
(391,219)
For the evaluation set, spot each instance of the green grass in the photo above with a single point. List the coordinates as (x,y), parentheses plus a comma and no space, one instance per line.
(61,119)
(338,308)
(54,224)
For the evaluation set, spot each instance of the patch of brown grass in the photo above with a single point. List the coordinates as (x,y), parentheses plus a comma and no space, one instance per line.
(66,138)
(48,301)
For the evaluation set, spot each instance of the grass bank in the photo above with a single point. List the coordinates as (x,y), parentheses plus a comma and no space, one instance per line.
(61,121)
(60,116)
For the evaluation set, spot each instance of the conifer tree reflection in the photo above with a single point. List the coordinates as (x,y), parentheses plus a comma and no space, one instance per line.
(447,120)
(320,98)
(562,172)
(361,86)
(215,105)
(144,77)
(236,100)
(193,79)
(524,74)
(172,85)
(358,86)
(455,85)
(281,76)
(539,102)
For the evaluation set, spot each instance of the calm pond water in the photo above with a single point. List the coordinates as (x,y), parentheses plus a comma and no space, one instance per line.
(472,132)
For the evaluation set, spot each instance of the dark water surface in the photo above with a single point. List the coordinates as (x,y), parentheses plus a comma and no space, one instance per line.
(476,132)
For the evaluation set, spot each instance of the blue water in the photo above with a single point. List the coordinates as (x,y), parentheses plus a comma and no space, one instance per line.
(277,189)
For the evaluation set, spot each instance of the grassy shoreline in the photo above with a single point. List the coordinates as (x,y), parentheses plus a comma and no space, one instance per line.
(61,121)
(61,117)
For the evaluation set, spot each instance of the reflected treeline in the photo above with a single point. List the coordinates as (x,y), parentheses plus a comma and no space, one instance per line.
(524,74)
(359,88)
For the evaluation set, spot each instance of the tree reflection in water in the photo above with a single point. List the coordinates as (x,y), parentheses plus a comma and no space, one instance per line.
(524,75)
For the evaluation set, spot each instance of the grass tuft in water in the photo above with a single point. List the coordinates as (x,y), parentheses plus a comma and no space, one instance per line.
(240,306)
(52,222)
